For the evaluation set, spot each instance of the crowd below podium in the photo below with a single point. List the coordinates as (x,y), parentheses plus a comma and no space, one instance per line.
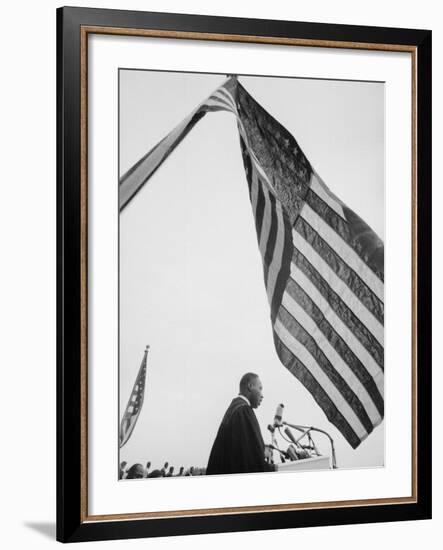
(138,471)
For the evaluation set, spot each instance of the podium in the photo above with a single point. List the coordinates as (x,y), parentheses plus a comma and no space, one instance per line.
(304,464)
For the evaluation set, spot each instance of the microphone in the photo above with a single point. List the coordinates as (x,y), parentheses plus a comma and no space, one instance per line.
(302,452)
(271,428)
(283,453)
(290,435)
(278,415)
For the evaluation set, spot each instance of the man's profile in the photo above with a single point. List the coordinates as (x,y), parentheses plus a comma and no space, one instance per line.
(239,446)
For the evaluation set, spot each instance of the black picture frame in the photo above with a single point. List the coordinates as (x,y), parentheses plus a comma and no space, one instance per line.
(73,523)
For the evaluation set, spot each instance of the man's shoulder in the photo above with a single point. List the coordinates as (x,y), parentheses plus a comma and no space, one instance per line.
(237,407)
(238,403)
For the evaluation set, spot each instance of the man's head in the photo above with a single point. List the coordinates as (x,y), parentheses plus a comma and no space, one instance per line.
(251,387)
(155,473)
(136,472)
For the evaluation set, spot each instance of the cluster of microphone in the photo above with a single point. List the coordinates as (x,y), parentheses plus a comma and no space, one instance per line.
(291,453)
(278,423)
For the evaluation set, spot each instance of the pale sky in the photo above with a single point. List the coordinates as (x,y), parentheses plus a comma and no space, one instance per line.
(191,283)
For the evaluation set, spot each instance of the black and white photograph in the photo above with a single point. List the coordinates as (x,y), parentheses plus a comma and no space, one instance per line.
(219,316)
(251,274)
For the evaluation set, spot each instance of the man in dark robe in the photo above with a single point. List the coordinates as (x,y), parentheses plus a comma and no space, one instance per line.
(238,446)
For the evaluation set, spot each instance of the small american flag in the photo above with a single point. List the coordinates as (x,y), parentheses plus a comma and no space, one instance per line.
(135,403)
(323,266)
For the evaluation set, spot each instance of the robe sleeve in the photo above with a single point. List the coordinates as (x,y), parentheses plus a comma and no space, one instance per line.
(247,446)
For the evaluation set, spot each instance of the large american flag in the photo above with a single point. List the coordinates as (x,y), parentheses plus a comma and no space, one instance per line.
(323,266)
(135,403)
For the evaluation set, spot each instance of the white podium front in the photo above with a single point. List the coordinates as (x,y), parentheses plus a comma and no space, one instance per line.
(314,463)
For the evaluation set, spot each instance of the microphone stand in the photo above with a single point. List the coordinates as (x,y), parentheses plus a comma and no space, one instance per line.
(306,431)
(274,444)
(283,454)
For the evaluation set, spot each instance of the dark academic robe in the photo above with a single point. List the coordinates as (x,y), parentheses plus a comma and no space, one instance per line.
(238,446)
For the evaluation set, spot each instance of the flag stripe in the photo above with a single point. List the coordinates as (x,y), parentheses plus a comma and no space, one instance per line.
(342,229)
(134,179)
(343,369)
(260,204)
(319,188)
(320,307)
(253,187)
(267,218)
(299,370)
(340,308)
(320,386)
(273,249)
(254,160)
(285,267)
(224,94)
(342,269)
(343,250)
(215,107)
(275,242)
(339,286)
(248,171)
(319,365)
(219,103)
(129,424)
(230,98)
(275,269)
(223,99)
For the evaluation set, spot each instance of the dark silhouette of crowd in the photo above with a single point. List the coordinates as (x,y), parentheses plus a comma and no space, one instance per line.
(138,471)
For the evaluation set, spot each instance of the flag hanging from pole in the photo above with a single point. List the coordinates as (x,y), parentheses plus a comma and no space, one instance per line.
(323,266)
(135,403)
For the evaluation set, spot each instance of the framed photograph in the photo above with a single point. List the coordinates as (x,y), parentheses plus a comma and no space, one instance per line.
(244,274)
